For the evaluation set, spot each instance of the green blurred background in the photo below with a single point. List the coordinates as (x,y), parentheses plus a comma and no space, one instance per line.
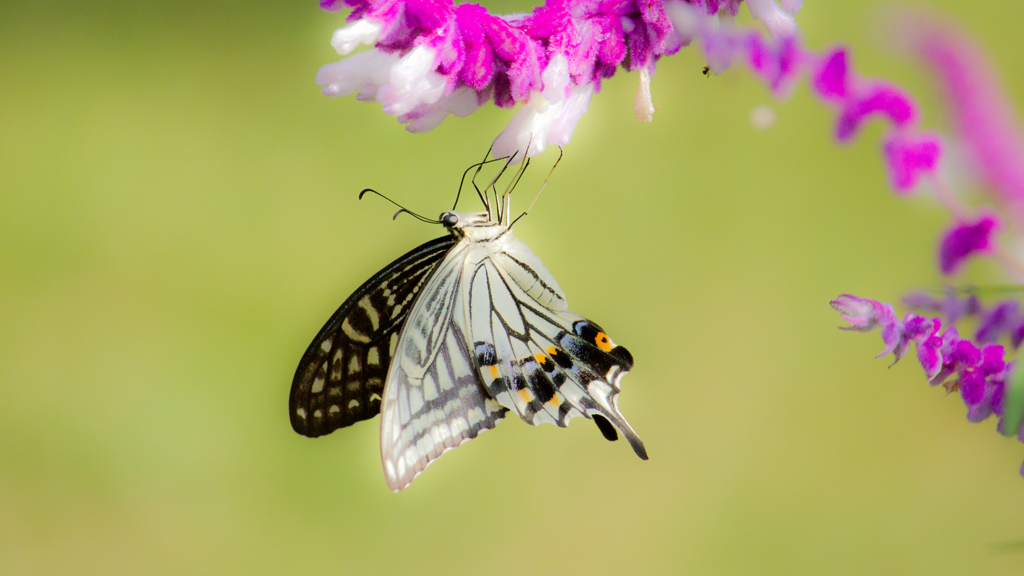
(178,217)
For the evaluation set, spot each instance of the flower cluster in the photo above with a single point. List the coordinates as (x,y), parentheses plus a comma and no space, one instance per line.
(998,321)
(978,373)
(432,58)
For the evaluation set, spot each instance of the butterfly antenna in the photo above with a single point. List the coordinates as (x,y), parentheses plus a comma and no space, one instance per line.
(542,186)
(479,166)
(508,161)
(401,208)
(507,196)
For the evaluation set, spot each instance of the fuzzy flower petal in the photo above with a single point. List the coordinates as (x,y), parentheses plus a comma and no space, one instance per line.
(963,240)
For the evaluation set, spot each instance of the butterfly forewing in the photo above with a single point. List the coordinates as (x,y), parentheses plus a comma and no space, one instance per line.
(340,379)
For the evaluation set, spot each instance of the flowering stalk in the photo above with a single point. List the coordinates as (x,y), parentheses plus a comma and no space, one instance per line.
(989,133)
(979,374)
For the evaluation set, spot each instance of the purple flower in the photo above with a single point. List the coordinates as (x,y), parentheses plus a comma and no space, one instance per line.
(979,374)
(432,58)
(942,354)
(864,314)
(778,19)
(963,240)
(977,369)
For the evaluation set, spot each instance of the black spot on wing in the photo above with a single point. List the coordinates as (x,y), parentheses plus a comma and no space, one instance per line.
(542,387)
(561,358)
(606,427)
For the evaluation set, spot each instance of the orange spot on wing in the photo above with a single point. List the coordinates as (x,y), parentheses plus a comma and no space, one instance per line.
(603,341)
(493,370)
(526,395)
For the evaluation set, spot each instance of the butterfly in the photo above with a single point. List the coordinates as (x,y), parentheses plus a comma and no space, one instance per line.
(448,339)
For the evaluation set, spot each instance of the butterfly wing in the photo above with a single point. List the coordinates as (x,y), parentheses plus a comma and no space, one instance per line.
(340,379)
(433,400)
(537,358)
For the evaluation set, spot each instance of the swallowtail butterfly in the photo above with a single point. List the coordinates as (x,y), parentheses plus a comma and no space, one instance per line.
(451,337)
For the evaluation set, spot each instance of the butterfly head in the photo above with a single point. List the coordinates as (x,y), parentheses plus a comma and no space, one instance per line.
(478,226)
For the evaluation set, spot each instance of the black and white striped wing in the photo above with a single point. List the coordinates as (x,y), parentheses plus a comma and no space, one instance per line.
(340,379)
(535,357)
(433,400)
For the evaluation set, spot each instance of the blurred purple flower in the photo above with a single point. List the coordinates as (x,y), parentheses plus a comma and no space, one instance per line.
(963,240)
(908,154)
(982,114)
(1001,318)
(979,374)
(950,306)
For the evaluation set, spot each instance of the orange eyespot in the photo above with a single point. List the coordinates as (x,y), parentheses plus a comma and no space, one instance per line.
(603,342)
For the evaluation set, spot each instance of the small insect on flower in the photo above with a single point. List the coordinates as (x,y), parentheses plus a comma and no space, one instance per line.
(449,338)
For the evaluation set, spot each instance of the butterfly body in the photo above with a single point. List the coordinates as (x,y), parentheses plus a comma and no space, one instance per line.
(450,338)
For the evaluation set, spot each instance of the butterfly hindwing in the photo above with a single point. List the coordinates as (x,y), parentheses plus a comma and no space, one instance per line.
(537,358)
(340,379)
(433,398)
